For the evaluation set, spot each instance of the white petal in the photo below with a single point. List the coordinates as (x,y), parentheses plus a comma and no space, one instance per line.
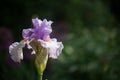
(15,51)
(54,47)
(33,52)
(30,47)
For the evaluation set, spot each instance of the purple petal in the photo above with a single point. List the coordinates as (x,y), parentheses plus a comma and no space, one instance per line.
(42,28)
(36,22)
(28,33)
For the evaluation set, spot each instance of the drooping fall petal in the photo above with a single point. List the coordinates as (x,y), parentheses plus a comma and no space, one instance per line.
(15,51)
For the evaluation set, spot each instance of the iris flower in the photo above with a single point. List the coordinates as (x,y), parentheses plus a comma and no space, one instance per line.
(38,39)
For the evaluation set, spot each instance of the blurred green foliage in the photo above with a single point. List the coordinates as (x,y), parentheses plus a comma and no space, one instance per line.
(91,47)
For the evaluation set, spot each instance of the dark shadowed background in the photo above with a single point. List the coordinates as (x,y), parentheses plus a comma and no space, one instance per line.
(89,30)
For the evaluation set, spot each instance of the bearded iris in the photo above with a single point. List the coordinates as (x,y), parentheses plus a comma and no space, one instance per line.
(38,39)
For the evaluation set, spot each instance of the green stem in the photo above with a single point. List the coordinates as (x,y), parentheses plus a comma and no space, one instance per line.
(40,76)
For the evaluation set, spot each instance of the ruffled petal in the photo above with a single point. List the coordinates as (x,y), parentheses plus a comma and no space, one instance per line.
(36,22)
(15,51)
(42,29)
(53,46)
(28,33)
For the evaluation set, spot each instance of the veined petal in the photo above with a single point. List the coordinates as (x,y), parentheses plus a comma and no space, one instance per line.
(15,51)
(53,46)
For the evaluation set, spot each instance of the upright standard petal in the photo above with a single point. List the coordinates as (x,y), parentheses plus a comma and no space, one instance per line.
(36,22)
(15,51)
(28,33)
(42,29)
(53,46)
